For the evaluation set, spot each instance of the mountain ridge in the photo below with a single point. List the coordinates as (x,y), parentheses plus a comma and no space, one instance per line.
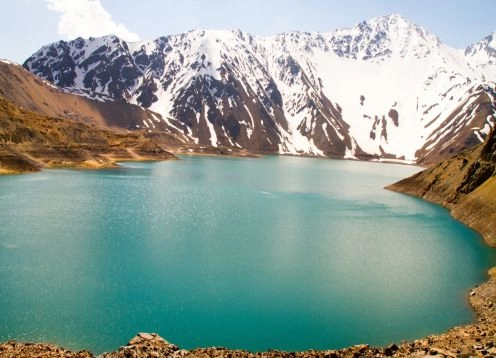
(380,90)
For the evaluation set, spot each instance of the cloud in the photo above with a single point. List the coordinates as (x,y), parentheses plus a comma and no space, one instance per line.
(87,18)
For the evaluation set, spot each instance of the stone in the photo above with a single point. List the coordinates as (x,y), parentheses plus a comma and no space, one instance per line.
(492,351)
(390,350)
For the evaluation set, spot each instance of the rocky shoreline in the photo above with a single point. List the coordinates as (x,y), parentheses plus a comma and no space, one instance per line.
(473,340)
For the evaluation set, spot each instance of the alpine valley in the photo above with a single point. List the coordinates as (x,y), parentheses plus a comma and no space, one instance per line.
(384,89)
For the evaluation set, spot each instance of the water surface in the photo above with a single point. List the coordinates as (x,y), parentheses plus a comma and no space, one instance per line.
(279,252)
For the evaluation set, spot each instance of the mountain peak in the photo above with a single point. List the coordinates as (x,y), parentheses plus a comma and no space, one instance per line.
(482,56)
(391,18)
(487,46)
(383,37)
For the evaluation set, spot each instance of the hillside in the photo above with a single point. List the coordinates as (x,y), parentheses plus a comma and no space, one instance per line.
(28,91)
(465,184)
(30,141)
(385,89)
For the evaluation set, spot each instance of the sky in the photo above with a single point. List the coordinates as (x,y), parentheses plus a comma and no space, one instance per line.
(27,25)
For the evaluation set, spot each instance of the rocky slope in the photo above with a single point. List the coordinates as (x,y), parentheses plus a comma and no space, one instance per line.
(28,91)
(30,141)
(465,184)
(385,88)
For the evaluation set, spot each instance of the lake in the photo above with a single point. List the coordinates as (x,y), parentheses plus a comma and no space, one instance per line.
(278,252)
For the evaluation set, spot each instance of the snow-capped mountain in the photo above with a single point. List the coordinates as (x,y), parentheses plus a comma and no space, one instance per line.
(482,56)
(385,88)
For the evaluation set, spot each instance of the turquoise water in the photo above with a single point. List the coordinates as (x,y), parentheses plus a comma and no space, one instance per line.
(279,252)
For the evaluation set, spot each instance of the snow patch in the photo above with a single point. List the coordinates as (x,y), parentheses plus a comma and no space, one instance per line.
(211,128)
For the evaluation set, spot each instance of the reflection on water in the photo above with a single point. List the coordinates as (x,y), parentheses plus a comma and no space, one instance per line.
(285,253)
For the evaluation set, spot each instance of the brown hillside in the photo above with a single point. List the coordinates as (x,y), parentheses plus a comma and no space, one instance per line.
(466,184)
(28,91)
(30,141)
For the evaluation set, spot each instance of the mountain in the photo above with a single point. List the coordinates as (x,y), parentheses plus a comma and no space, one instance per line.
(384,89)
(465,184)
(482,55)
(28,91)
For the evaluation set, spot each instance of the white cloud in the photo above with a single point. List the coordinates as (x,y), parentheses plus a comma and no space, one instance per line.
(87,18)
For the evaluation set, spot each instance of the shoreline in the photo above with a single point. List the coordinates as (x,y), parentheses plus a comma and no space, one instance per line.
(102,160)
(477,339)
(112,160)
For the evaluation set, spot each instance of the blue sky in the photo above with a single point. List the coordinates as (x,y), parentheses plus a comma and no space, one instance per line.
(26,25)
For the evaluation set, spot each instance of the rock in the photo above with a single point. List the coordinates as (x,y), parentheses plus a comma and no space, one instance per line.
(390,350)
(181,353)
(435,351)
(145,345)
(492,351)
